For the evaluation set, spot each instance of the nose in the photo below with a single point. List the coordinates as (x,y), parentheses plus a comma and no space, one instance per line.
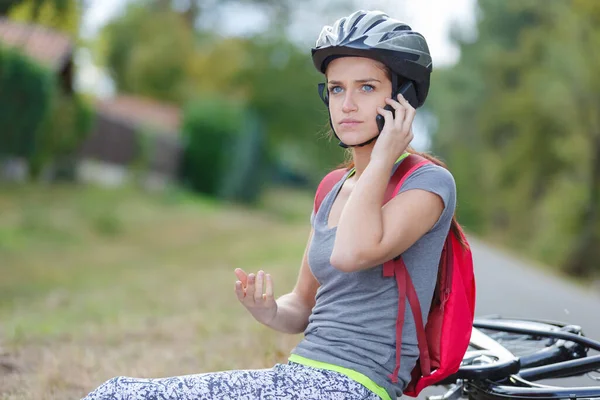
(348,105)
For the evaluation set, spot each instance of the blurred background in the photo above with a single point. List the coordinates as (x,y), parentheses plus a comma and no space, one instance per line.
(149,147)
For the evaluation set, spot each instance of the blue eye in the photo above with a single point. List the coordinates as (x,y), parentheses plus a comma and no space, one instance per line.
(334,89)
(369,88)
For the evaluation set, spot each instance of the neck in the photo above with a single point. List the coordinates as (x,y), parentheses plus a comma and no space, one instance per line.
(361,157)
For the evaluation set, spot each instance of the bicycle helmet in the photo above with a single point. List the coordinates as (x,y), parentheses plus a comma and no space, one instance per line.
(375,35)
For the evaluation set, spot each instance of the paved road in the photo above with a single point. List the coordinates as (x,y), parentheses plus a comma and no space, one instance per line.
(508,286)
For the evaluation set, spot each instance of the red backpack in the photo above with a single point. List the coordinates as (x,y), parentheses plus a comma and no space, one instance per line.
(444,340)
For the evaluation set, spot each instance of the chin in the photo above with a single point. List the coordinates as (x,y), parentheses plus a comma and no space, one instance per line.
(355,139)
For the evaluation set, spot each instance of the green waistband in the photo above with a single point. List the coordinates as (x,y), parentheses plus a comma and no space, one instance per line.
(355,376)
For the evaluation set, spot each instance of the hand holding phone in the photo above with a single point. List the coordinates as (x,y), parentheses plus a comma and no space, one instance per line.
(408,92)
(397,137)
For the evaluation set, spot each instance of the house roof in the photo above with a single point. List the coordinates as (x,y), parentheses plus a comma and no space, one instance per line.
(45,45)
(142,111)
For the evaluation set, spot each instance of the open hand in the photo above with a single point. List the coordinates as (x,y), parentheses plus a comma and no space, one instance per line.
(249,290)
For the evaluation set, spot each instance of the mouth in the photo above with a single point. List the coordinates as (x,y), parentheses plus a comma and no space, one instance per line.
(350,122)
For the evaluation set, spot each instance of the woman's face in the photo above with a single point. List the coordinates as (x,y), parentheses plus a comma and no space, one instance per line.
(356,87)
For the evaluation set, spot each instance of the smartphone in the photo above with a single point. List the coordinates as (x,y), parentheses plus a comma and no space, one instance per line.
(410,94)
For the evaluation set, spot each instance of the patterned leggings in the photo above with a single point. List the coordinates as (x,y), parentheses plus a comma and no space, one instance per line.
(283,381)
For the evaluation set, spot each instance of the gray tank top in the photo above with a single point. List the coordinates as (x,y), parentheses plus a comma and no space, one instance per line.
(353,323)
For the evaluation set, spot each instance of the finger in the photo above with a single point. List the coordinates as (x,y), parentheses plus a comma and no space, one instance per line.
(410,110)
(405,124)
(398,106)
(400,112)
(269,288)
(258,291)
(387,115)
(239,291)
(402,100)
(250,288)
(242,276)
(398,115)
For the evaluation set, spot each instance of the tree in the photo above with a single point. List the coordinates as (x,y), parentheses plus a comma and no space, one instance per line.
(6,5)
(279,12)
(519,126)
(271,75)
(62,15)
(578,40)
(148,53)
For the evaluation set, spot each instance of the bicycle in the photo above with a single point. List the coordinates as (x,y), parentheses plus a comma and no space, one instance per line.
(507,356)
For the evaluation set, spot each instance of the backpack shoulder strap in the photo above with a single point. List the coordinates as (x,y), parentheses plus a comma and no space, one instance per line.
(406,167)
(396,268)
(327,183)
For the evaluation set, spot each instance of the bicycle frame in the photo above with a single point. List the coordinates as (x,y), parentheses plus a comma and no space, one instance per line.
(491,372)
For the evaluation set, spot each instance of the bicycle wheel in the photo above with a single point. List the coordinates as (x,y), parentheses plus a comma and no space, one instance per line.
(523,345)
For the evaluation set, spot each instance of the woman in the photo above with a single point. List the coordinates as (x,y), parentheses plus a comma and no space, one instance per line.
(341,302)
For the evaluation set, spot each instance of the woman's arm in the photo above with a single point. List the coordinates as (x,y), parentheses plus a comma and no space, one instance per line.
(293,309)
(369,234)
(290,312)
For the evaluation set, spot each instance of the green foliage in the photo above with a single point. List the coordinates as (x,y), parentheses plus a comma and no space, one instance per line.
(273,76)
(149,61)
(246,174)
(68,124)
(280,83)
(519,126)
(6,5)
(39,122)
(35,6)
(61,15)
(145,148)
(107,223)
(26,91)
(211,128)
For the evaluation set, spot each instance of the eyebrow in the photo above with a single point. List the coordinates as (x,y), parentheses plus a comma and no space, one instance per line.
(357,81)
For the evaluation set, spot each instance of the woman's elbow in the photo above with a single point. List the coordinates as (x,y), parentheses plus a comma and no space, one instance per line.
(346,261)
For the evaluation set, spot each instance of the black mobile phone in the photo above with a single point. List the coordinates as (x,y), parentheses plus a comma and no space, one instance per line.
(410,94)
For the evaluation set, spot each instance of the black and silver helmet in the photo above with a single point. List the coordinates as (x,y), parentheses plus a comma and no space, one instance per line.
(375,35)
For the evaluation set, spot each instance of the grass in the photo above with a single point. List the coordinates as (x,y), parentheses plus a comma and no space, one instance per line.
(96,283)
